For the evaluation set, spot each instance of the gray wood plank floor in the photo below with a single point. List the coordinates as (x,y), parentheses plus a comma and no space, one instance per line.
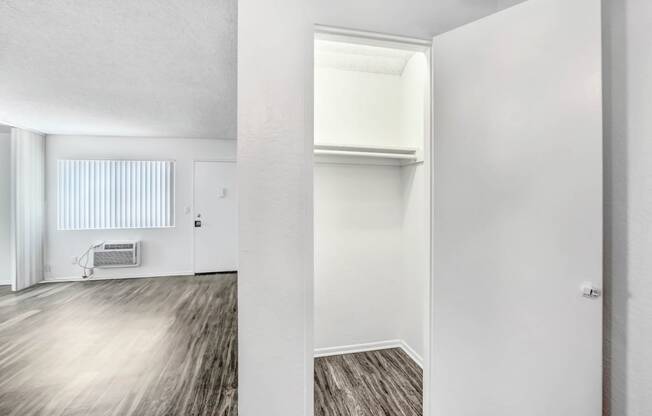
(162,346)
(145,347)
(375,383)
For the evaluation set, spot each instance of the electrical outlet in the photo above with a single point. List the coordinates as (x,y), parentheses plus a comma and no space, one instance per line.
(74,260)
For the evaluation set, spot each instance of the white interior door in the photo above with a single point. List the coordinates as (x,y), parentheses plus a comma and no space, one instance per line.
(216,217)
(517,225)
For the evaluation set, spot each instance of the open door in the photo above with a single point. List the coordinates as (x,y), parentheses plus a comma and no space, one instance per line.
(517,213)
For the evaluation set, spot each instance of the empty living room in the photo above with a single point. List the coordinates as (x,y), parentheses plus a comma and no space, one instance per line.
(325,208)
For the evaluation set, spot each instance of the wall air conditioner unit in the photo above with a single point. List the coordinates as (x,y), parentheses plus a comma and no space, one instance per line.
(117,254)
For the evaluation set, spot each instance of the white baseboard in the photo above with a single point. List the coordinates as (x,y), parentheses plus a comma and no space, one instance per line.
(412,353)
(5,283)
(350,349)
(133,276)
(370,346)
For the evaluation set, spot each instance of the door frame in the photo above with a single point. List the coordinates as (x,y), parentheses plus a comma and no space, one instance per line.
(192,206)
(418,45)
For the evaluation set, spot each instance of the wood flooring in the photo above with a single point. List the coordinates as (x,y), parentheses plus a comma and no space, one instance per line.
(133,347)
(376,383)
(164,346)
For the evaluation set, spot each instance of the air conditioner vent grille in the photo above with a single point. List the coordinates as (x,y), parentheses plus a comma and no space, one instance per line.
(113,258)
(128,246)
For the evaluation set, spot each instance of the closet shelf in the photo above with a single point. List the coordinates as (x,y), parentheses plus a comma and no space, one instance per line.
(400,154)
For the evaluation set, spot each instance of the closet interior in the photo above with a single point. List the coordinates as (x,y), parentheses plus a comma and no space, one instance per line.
(372,198)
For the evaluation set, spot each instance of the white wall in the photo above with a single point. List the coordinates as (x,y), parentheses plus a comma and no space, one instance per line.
(165,251)
(628,198)
(371,254)
(355,107)
(414,91)
(5,212)
(358,255)
(374,109)
(275,181)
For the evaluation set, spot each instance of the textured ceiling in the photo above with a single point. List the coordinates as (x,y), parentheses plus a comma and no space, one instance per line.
(115,67)
(363,58)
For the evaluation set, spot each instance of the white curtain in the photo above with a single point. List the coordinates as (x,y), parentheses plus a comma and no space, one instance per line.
(27,207)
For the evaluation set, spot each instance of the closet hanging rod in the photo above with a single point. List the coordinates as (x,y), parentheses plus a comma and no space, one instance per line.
(386,150)
(378,155)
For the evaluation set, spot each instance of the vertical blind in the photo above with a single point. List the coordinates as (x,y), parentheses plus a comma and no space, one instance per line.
(112,194)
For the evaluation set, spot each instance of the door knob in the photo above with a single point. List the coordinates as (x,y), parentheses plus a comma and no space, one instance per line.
(590,291)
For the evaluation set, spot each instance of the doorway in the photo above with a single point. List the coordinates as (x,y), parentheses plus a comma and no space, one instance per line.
(215,217)
(372,221)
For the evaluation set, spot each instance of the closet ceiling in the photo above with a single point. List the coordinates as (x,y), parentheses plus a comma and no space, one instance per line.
(115,67)
(363,58)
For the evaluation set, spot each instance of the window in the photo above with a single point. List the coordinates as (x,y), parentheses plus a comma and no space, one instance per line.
(113,194)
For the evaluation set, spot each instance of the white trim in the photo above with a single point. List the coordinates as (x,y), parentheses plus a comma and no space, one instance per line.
(17,126)
(113,136)
(194,216)
(370,38)
(350,349)
(412,353)
(13,231)
(370,346)
(428,154)
(133,276)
